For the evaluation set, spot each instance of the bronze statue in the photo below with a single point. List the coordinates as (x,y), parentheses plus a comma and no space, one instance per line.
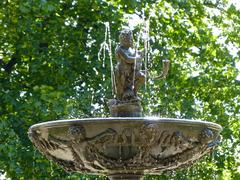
(128,77)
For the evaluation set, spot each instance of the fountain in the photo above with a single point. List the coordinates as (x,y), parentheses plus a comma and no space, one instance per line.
(125,145)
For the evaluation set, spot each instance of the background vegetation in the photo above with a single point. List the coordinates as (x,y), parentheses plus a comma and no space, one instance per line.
(49,69)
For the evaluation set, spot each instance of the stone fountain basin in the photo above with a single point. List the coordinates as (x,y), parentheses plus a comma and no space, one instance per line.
(124,145)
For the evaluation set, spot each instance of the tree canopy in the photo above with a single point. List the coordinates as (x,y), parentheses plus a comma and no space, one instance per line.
(50,69)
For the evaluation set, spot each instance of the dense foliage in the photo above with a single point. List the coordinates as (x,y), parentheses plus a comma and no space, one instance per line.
(49,69)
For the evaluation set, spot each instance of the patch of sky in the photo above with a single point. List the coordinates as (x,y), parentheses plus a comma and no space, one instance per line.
(236,3)
(195,49)
(133,21)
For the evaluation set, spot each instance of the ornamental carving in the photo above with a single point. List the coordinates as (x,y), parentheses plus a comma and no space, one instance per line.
(142,147)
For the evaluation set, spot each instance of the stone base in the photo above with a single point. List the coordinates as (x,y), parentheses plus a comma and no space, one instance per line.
(125,109)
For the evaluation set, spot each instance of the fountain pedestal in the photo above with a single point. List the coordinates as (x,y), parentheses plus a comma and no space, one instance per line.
(125,109)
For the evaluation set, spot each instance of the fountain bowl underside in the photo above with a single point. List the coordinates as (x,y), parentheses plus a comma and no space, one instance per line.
(124,146)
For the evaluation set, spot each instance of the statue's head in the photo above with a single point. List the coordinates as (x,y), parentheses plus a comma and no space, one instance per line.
(126,38)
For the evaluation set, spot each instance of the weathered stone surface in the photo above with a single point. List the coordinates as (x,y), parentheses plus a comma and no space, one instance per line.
(131,108)
(124,147)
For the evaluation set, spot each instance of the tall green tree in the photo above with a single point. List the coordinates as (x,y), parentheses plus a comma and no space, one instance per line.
(50,69)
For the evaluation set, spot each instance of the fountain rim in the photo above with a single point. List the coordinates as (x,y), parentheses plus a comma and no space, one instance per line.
(187,122)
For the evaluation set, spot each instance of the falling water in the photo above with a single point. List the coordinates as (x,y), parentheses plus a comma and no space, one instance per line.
(102,50)
(111,61)
(144,36)
(146,50)
(106,45)
(135,59)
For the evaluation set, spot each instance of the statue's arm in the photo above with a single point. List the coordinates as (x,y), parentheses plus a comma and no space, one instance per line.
(126,57)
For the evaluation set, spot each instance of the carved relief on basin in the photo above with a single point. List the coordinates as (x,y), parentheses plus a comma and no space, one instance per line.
(124,145)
